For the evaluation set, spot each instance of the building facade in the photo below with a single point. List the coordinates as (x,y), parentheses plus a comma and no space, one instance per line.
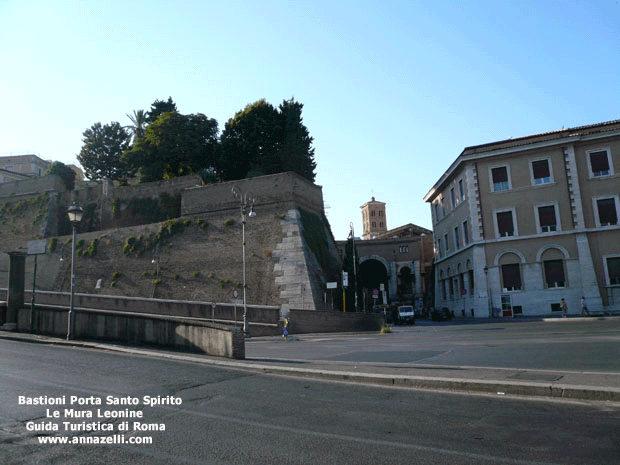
(394,265)
(16,167)
(520,224)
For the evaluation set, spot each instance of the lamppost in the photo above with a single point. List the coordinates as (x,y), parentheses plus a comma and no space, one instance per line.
(352,234)
(245,200)
(489,300)
(75,213)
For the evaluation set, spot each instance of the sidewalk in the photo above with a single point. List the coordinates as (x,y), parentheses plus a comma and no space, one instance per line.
(574,385)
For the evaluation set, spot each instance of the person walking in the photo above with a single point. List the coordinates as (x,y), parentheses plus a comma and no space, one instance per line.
(564,307)
(584,307)
(285,330)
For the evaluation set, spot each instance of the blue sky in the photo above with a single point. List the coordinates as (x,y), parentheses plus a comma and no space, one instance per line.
(392,90)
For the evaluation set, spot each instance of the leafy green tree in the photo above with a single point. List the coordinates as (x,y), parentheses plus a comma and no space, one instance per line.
(250,142)
(174,145)
(261,139)
(101,153)
(138,124)
(63,172)
(296,151)
(158,108)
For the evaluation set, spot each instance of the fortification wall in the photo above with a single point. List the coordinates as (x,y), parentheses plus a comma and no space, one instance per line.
(291,252)
(286,189)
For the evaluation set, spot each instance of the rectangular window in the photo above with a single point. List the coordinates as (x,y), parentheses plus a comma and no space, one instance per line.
(445,238)
(511,277)
(437,213)
(461,190)
(542,174)
(505,225)
(546,216)
(453,198)
(613,270)
(554,273)
(465,233)
(500,179)
(599,163)
(439,252)
(607,214)
(457,239)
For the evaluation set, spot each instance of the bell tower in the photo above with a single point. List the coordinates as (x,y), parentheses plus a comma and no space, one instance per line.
(373,219)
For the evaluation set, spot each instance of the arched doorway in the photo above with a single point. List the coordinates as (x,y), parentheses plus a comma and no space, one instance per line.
(405,281)
(373,273)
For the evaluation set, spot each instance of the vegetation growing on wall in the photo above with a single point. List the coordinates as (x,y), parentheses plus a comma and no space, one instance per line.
(315,233)
(139,245)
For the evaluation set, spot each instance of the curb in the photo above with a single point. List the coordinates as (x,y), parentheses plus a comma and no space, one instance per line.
(500,388)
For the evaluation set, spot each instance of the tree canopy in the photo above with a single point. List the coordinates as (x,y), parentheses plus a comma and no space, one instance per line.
(174,145)
(63,172)
(101,153)
(261,139)
(158,108)
(162,143)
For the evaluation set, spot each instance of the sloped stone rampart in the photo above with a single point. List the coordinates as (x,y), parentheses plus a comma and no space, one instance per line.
(204,262)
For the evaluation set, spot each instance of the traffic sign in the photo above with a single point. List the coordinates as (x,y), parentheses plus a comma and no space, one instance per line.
(37,247)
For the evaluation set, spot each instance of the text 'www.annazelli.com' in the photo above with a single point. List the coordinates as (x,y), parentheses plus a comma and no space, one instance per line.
(93,440)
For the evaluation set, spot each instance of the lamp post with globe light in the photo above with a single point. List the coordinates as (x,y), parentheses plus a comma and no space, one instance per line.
(75,213)
(245,199)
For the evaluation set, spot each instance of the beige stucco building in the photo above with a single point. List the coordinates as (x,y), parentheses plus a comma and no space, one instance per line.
(16,167)
(522,223)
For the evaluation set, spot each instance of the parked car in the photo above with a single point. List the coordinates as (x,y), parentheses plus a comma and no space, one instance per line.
(441,315)
(406,315)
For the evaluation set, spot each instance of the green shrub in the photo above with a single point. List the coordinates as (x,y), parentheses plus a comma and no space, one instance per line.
(131,245)
(196,274)
(157,281)
(175,277)
(228,222)
(92,248)
(116,275)
(113,284)
(52,245)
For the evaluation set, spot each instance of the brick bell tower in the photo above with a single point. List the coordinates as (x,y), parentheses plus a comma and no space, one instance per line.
(373,219)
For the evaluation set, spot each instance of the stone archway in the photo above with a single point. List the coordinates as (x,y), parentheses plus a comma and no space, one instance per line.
(373,272)
(404,283)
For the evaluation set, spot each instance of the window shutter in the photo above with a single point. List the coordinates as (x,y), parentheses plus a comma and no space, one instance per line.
(599,161)
(541,169)
(499,174)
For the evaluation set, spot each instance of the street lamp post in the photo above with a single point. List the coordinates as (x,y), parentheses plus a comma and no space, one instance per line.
(245,199)
(75,213)
(354,265)
(489,300)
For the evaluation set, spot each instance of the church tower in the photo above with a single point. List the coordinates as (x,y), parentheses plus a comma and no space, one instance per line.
(373,219)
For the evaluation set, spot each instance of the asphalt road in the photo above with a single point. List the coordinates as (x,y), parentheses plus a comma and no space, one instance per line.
(572,344)
(228,416)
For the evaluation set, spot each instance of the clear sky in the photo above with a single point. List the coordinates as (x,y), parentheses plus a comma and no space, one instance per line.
(393,91)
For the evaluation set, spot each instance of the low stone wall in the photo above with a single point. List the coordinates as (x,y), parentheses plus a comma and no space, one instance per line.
(144,329)
(307,321)
(263,320)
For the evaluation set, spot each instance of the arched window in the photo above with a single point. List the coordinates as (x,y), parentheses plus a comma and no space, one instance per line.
(510,267)
(554,273)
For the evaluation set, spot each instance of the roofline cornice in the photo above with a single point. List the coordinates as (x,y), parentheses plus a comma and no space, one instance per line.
(462,158)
